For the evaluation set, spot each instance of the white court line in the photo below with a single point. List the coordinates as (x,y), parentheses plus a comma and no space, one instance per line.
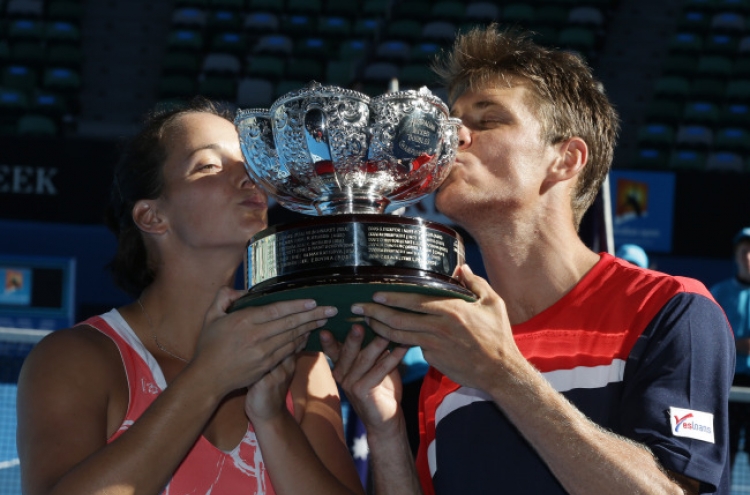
(9,464)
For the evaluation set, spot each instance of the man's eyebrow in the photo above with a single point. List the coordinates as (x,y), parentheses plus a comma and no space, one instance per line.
(481,105)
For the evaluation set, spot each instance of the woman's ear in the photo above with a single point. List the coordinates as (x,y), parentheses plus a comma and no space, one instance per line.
(147,218)
(574,154)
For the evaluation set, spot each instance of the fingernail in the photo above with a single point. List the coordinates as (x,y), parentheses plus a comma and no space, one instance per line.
(325,337)
(358,310)
(331,311)
(378,298)
(310,304)
(321,322)
(467,268)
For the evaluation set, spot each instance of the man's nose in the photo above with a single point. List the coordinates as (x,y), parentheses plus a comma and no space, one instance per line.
(464,137)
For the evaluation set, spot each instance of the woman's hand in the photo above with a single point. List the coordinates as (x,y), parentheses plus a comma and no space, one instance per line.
(239,348)
(266,398)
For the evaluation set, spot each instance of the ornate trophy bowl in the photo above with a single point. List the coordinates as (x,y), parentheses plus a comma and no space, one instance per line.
(350,160)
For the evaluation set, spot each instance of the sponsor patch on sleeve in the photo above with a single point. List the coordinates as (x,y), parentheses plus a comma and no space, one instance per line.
(692,424)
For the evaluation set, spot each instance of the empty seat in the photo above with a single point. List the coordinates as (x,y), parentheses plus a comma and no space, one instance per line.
(672,87)
(423,52)
(714,65)
(578,38)
(181,63)
(176,86)
(735,114)
(587,16)
(551,15)
(694,136)
(223,20)
(347,8)
(276,6)
(656,135)
(313,47)
(189,17)
(19,77)
(725,161)
(353,49)
(218,87)
(707,88)
(664,111)
(185,39)
(381,71)
(312,7)
(447,10)
(694,21)
(732,139)
(39,125)
(482,12)
(687,159)
(334,26)
(439,30)
(650,158)
(65,56)
(266,66)
(233,43)
(700,112)
(26,29)
(305,69)
(731,22)
(61,79)
(299,25)
(340,72)
(221,63)
(33,8)
(261,22)
(686,42)
(410,9)
(721,44)
(393,50)
(274,43)
(366,26)
(518,13)
(738,90)
(403,29)
(416,75)
(739,6)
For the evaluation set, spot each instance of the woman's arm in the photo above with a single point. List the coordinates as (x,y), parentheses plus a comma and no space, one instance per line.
(70,386)
(307,452)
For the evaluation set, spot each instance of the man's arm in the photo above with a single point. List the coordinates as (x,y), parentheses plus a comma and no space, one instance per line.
(472,344)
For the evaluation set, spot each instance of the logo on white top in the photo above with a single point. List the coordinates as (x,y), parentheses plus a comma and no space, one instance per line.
(688,423)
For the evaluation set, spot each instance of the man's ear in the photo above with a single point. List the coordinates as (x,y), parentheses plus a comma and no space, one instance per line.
(574,154)
(147,218)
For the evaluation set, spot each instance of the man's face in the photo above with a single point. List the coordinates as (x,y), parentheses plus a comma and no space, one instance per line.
(502,158)
(742,258)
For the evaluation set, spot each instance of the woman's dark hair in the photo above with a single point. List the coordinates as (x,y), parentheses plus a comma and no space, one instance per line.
(138,175)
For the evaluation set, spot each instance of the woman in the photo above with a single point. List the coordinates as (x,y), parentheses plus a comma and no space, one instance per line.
(155,396)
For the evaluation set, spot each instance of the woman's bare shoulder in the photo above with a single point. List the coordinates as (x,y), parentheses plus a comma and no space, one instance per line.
(81,349)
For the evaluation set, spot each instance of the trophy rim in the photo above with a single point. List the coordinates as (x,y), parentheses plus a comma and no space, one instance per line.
(422,93)
(243,113)
(314,88)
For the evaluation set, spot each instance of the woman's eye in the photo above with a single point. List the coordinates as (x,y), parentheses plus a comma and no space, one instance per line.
(208,167)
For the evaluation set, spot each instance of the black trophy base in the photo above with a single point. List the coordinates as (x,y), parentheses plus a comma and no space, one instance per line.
(344,291)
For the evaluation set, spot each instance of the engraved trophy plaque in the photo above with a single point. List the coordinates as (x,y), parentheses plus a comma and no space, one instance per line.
(350,160)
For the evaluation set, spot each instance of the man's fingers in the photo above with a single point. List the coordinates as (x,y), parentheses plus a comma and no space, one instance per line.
(474,283)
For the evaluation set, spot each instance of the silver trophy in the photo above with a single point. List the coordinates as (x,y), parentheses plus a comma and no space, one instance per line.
(350,160)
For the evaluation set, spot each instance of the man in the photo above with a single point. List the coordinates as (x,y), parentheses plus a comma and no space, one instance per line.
(573,372)
(733,294)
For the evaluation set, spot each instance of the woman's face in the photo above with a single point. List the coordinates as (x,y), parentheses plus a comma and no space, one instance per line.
(208,199)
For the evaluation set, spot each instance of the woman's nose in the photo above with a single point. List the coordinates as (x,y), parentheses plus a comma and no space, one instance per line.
(464,137)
